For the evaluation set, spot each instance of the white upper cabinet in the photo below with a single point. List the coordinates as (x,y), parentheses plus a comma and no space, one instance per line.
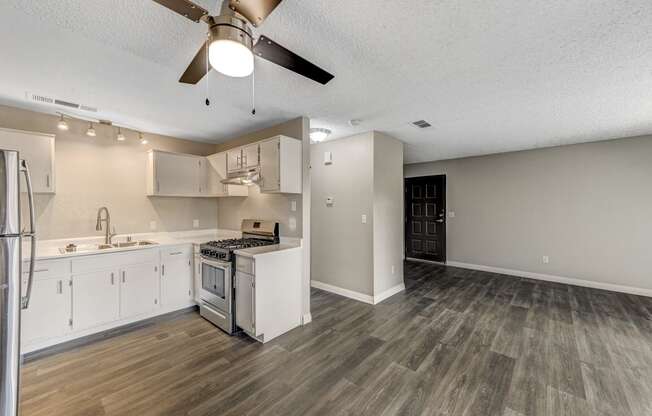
(38,150)
(279,160)
(280,166)
(173,174)
(250,156)
(234,160)
(217,173)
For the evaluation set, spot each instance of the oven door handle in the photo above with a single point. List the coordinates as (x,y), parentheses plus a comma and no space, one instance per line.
(218,264)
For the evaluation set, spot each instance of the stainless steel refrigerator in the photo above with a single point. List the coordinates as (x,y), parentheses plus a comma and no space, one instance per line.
(12,298)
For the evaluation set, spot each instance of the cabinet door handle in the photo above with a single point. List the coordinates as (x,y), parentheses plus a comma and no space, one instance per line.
(163,270)
(47,181)
(59,287)
(112,279)
(124,277)
(158,186)
(176,253)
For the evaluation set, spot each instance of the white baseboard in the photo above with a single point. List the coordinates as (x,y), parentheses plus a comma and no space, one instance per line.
(343,292)
(372,300)
(389,293)
(557,279)
(306,319)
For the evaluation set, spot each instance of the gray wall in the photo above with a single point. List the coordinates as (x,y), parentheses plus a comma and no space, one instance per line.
(588,207)
(342,247)
(388,213)
(95,172)
(365,178)
(231,211)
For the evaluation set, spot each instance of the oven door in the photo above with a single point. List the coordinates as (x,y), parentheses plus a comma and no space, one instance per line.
(216,284)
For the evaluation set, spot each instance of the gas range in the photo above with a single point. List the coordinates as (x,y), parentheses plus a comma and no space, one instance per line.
(218,270)
(223,249)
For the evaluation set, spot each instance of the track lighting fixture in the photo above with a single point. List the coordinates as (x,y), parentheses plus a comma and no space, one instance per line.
(91,131)
(120,137)
(62,124)
(142,138)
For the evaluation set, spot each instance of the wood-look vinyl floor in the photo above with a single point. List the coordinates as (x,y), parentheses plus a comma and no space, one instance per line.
(457,342)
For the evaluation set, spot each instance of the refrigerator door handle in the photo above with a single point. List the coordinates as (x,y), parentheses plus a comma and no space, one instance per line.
(31,234)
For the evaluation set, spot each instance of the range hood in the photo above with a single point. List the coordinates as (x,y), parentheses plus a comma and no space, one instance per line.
(249,177)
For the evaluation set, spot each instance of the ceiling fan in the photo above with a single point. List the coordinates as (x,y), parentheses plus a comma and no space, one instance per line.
(230,47)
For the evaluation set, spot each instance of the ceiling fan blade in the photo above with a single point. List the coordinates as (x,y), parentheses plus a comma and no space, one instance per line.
(256,11)
(272,51)
(197,68)
(185,8)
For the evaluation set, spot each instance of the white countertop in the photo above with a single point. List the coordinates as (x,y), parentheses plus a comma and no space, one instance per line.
(49,249)
(259,251)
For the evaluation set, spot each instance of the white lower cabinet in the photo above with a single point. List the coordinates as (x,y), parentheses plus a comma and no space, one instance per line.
(95,299)
(79,296)
(245,302)
(176,281)
(48,314)
(138,288)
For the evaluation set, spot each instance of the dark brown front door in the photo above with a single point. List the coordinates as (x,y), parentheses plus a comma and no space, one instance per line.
(425,218)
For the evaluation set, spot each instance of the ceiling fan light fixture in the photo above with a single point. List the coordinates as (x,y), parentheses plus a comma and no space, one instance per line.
(319,134)
(230,50)
(231,58)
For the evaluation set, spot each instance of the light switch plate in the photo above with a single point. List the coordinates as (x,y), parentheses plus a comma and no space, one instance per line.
(293,223)
(330,201)
(328,158)
(195,223)
(364,219)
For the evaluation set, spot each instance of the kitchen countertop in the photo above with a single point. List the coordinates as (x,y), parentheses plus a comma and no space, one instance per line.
(49,249)
(259,251)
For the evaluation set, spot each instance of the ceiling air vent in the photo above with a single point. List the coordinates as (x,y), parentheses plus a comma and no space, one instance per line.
(422,124)
(42,99)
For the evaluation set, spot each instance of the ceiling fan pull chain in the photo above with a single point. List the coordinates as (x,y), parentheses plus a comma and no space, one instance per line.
(253,91)
(208,101)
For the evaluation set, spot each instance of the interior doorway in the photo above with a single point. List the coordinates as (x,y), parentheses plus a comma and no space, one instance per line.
(425,218)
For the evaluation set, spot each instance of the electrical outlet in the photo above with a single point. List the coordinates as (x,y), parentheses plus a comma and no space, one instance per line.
(451,214)
(545,259)
(293,205)
(293,223)
(152,225)
(195,223)
(364,219)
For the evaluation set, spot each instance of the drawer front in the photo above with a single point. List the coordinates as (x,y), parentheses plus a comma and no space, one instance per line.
(46,269)
(245,265)
(176,252)
(113,260)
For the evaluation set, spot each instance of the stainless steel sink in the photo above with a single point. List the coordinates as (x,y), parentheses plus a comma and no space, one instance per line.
(81,248)
(134,244)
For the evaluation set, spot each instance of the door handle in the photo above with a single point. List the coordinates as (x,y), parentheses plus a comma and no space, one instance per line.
(24,301)
(439,221)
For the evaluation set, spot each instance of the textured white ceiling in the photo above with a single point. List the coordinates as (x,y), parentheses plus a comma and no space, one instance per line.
(490,76)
